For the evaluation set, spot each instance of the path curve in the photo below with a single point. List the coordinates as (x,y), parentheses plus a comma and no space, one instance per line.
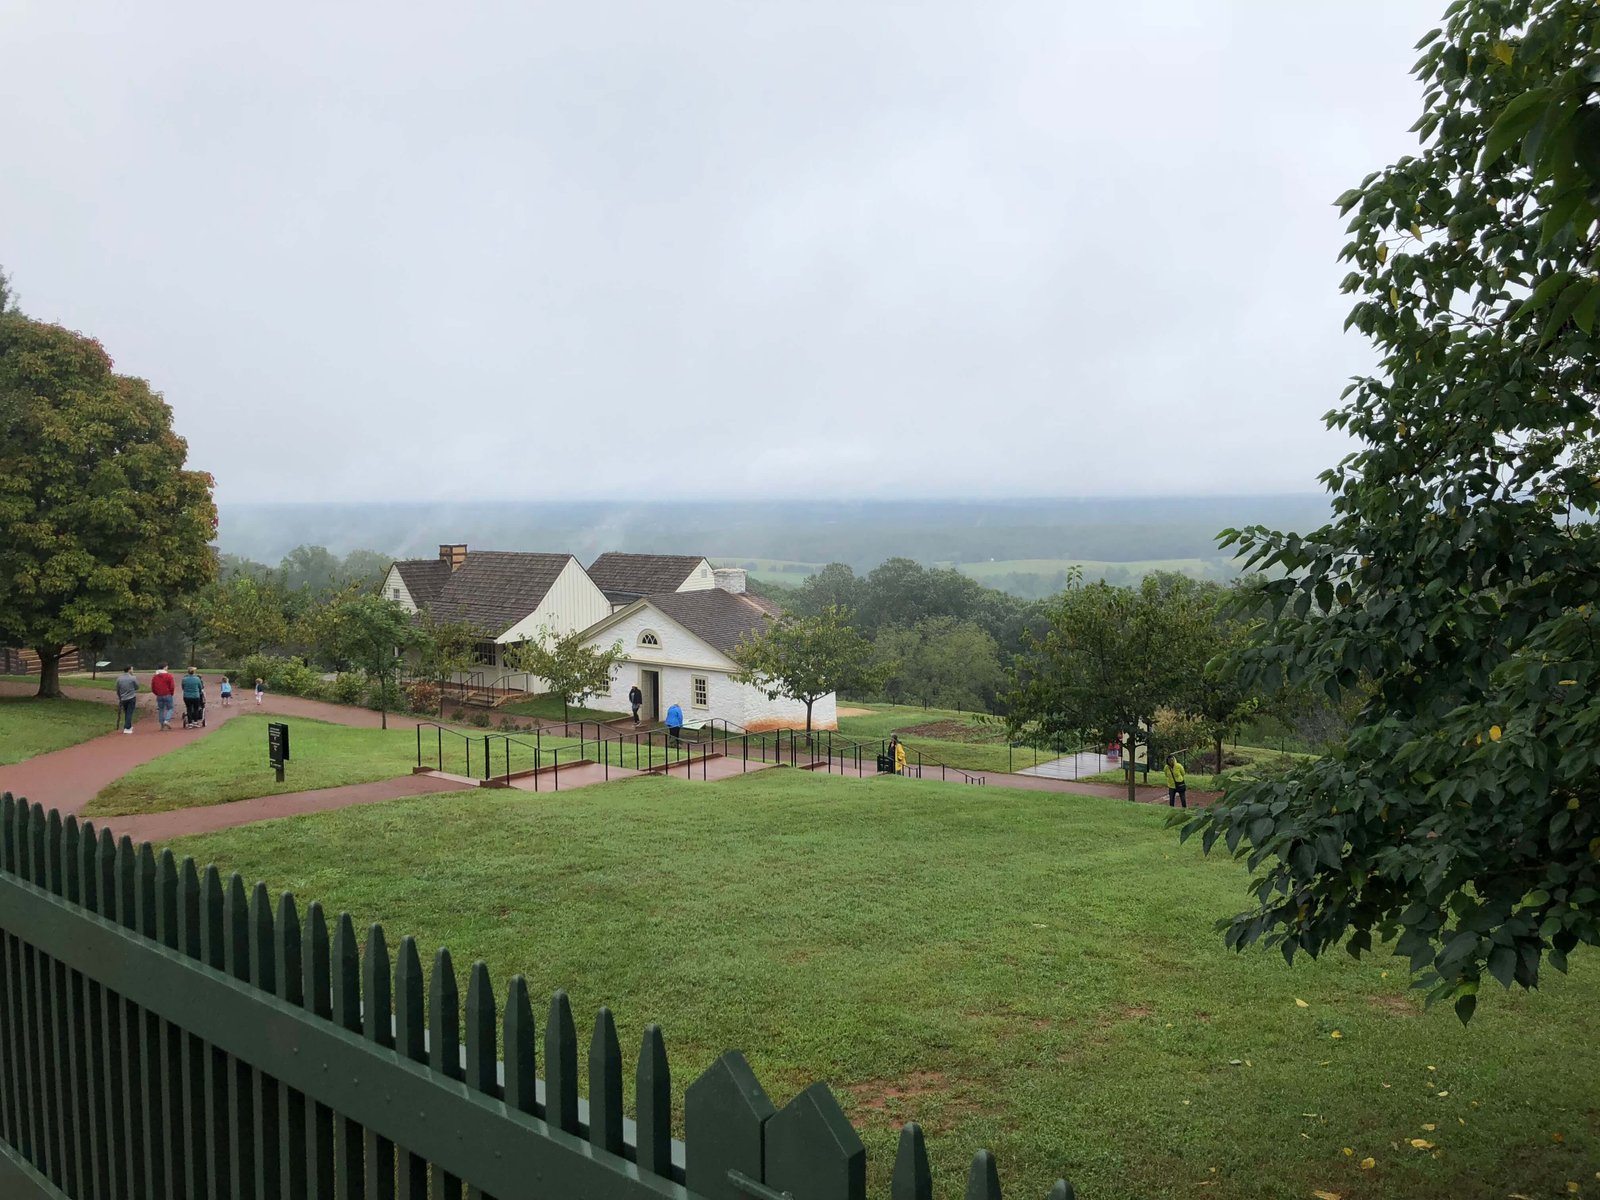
(164,826)
(67,779)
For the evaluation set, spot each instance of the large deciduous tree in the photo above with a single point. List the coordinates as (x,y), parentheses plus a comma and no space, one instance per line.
(1455,587)
(245,616)
(806,658)
(101,525)
(1109,659)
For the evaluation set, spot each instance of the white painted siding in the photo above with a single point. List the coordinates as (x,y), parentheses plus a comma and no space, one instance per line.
(678,659)
(572,603)
(392,584)
(701,579)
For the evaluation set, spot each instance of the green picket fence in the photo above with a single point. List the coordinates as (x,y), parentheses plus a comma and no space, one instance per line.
(166,1034)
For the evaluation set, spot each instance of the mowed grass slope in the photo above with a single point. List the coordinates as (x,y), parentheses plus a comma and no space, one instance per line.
(30,726)
(1028,972)
(230,763)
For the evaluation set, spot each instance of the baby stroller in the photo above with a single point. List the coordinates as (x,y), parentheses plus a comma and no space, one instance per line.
(194,711)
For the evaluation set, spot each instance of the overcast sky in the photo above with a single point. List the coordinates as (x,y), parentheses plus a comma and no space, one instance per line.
(597,250)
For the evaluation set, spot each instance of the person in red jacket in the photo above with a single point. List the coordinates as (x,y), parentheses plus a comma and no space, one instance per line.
(162,686)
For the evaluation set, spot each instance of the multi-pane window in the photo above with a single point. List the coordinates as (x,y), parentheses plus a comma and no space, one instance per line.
(702,693)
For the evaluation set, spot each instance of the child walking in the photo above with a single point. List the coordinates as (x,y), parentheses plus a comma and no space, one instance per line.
(227,692)
(261,690)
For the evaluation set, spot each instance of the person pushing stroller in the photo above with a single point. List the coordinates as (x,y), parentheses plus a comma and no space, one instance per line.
(194,700)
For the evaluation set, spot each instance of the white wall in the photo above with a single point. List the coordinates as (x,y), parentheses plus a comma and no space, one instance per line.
(391,582)
(678,659)
(701,579)
(572,603)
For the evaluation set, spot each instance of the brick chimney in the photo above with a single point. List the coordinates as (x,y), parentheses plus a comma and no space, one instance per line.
(453,555)
(730,579)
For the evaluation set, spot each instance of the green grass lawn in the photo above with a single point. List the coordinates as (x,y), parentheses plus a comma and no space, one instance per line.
(29,726)
(549,707)
(107,681)
(1016,970)
(230,763)
(970,741)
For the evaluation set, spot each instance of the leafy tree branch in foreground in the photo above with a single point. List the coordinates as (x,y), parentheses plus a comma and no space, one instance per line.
(1455,586)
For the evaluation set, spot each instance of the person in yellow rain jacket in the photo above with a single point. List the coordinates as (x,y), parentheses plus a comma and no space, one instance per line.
(899,757)
(1177,789)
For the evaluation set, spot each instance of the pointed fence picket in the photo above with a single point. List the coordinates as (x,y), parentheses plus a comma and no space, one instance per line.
(164,1033)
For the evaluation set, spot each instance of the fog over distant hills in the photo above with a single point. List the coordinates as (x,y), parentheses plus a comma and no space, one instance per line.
(860,532)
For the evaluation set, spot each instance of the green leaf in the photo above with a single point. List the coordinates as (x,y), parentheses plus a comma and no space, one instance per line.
(1503,964)
(1513,122)
(1583,314)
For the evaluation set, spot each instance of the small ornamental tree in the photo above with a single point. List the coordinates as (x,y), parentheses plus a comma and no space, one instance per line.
(101,525)
(1454,591)
(1109,659)
(371,633)
(445,649)
(573,669)
(806,658)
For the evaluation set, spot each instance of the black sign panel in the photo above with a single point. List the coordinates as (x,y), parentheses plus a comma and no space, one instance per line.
(277,743)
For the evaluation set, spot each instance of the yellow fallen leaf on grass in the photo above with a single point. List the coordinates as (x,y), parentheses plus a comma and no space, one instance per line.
(1421,1144)
(1368,1163)
(1299,1003)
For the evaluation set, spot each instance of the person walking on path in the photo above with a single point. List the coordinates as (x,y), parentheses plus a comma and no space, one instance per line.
(162,687)
(226,691)
(194,689)
(1177,789)
(635,699)
(261,690)
(127,697)
(675,723)
(899,754)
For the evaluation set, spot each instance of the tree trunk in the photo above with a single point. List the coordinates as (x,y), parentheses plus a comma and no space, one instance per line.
(49,672)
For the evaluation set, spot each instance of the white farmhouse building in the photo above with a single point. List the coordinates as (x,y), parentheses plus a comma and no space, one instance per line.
(507,596)
(678,646)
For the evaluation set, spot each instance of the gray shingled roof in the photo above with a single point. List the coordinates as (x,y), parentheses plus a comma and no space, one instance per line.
(423,577)
(642,574)
(492,590)
(716,617)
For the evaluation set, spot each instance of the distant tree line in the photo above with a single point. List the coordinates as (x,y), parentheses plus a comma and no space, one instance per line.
(1091,663)
(250,607)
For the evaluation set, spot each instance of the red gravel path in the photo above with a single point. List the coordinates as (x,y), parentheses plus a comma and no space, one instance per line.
(164,826)
(68,779)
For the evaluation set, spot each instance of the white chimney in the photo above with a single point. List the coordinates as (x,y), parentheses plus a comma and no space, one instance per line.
(730,579)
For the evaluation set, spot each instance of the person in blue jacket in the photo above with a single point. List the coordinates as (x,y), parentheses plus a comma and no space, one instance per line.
(675,722)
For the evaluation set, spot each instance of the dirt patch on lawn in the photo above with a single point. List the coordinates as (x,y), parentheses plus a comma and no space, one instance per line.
(1395,1006)
(922,1096)
(950,731)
